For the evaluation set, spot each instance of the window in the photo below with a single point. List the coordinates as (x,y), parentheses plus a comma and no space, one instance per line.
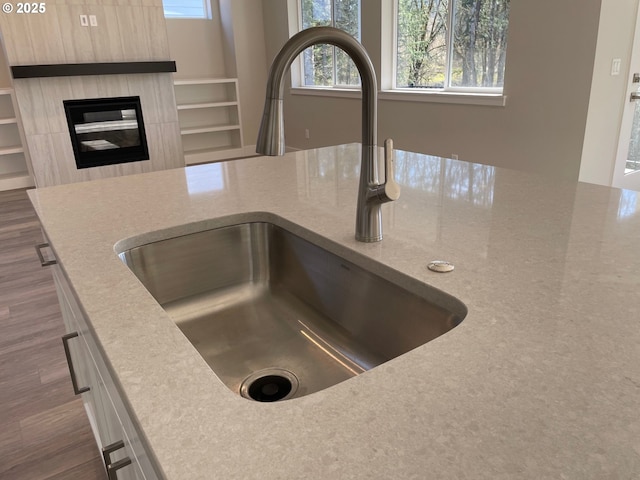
(186,8)
(325,65)
(451,45)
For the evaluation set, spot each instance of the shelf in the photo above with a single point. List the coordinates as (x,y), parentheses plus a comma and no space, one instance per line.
(14,181)
(219,128)
(195,157)
(14,158)
(203,81)
(193,106)
(204,151)
(11,150)
(210,123)
(99,68)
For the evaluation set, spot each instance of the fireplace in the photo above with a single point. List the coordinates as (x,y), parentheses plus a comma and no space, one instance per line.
(106,131)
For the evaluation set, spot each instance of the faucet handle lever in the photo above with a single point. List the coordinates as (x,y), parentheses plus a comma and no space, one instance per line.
(391,188)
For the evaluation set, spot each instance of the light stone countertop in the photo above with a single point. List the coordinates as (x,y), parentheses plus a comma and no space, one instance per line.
(540,381)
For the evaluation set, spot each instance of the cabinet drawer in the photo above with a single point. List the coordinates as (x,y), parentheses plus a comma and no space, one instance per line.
(106,410)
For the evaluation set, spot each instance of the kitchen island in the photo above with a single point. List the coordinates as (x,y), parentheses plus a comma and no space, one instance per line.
(541,379)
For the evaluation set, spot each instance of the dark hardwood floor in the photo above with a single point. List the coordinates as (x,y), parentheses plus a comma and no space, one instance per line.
(44,431)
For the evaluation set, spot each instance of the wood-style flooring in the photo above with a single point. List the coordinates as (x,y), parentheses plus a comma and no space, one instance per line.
(44,431)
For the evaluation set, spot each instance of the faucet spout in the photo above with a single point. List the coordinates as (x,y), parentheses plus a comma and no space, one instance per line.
(271,135)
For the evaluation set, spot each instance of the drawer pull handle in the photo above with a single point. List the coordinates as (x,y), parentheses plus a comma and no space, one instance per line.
(43,262)
(112,468)
(72,372)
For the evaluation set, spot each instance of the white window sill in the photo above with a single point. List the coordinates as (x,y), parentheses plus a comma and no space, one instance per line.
(487,99)
(327,92)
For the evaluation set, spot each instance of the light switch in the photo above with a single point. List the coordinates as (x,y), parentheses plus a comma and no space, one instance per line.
(93,20)
(84,20)
(615,66)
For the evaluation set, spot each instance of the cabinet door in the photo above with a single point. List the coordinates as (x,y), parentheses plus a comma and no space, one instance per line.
(113,430)
(79,358)
(89,373)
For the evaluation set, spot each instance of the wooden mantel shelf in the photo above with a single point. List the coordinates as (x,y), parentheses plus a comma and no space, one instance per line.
(76,69)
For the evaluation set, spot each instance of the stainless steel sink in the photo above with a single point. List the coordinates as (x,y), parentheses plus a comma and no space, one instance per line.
(276,316)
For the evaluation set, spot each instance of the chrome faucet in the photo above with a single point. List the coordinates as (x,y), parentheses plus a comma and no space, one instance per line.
(371,193)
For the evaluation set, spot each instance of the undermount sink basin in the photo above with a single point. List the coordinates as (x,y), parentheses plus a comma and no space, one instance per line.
(276,316)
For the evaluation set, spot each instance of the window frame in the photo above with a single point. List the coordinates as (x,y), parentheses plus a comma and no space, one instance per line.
(388,59)
(447,89)
(300,73)
(206,9)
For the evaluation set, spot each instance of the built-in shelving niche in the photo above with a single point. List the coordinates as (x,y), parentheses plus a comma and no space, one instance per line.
(14,163)
(210,121)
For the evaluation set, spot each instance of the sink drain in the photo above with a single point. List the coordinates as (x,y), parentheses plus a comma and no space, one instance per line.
(269,385)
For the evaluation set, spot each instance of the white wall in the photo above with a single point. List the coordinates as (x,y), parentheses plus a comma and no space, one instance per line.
(550,58)
(608,93)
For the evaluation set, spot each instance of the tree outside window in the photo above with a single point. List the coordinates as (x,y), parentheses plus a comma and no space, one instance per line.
(451,43)
(326,65)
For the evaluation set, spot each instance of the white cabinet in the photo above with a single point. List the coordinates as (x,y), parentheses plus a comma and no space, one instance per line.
(124,454)
(210,122)
(14,163)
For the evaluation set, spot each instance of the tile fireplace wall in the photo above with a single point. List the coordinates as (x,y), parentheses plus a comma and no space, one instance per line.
(126,31)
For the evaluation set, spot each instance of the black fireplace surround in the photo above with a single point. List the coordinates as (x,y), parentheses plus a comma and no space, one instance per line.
(106,131)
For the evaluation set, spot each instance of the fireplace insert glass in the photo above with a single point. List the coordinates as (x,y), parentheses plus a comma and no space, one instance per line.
(106,131)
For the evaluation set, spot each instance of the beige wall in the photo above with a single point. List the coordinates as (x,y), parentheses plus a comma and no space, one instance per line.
(231,44)
(608,93)
(244,25)
(5,75)
(549,69)
(197,45)
(124,33)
